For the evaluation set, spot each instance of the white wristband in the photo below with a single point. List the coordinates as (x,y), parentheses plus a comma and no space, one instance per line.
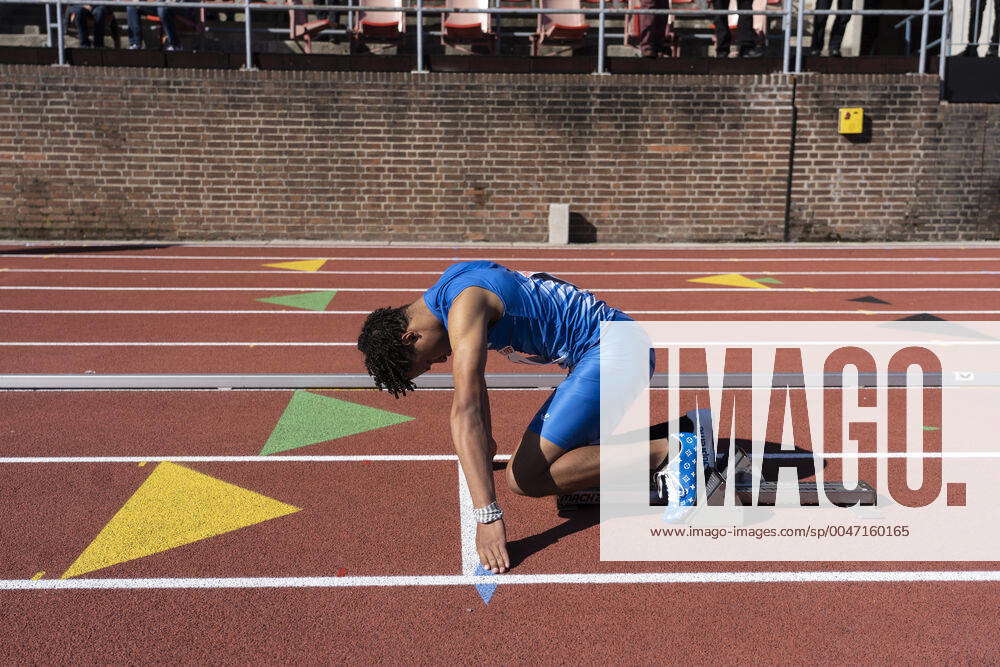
(488,514)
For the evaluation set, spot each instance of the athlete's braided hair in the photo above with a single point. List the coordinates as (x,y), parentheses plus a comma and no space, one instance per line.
(387,357)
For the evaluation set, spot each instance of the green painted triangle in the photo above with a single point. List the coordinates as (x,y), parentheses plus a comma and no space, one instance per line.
(306,301)
(773,281)
(311,418)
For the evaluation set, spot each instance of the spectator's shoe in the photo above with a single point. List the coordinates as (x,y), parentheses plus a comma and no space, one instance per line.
(134,47)
(752,52)
(971,51)
(171,47)
(835,53)
(722,53)
(86,45)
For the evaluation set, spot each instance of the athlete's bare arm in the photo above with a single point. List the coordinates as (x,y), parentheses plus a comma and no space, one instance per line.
(470,316)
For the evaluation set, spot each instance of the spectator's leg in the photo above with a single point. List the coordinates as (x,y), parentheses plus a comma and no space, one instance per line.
(134,28)
(744,30)
(995,32)
(839,27)
(759,21)
(723,39)
(869,29)
(652,28)
(167,21)
(100,18)
(819,26)
(975,16)
(80,18)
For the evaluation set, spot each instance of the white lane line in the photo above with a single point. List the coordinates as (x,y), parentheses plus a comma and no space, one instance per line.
(467,524)
(270,458)
(562,273)
(590,259)
(620,578)
(468,531)
(615,290)
(850,311)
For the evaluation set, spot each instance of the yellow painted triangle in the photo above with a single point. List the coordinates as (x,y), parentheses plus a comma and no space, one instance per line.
(301,265)
(729,280)
(173,507)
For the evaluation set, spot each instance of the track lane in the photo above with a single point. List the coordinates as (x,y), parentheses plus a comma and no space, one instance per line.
(798,622)
(722,300)
(377,283)
(234,423)
(801,623)
(365,251)
(98,328)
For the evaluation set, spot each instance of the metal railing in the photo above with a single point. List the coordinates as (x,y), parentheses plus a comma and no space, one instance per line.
(602,11)
(974,21)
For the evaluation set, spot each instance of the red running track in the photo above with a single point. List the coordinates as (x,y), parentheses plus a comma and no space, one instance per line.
(378,518)
(258,342)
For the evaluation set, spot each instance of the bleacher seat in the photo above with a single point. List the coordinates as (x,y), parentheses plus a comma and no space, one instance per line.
(565,29)
(380,27)
(466,30)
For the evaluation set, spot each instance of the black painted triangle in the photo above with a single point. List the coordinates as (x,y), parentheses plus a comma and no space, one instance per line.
(870,299)
(921,317)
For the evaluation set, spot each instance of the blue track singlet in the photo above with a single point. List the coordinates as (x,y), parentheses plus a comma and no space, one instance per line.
(545,320)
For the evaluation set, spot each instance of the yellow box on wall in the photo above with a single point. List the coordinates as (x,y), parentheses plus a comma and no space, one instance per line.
(852,121)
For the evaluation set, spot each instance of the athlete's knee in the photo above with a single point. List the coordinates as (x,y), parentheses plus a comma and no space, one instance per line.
(522,482)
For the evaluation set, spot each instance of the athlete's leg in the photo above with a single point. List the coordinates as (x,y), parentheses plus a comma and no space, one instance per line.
(539,467)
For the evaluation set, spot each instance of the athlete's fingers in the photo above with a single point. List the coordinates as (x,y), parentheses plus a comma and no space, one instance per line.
(499,558)
(486,559)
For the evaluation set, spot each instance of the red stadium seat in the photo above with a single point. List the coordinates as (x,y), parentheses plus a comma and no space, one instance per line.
(382,27)
(466,30)
(566,29)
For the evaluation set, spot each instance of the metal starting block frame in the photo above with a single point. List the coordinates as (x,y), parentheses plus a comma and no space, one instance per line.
(767,494)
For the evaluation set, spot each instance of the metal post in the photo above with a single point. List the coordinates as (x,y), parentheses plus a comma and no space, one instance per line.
(61,36)
(799,27)
(788,36)
(600,39)
(922,69)
(945,47)
(248,31)
(420,36)
(976,16)
(48,26)
(908,37)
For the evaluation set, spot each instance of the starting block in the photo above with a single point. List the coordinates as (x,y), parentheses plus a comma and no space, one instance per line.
(767,495)
(862,495)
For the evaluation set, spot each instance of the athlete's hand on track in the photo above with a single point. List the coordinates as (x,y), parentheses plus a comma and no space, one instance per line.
(491,543)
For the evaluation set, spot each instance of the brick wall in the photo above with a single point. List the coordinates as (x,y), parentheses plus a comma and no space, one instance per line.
(186,154)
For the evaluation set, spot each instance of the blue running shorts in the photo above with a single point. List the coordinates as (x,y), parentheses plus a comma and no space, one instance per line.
(571,416)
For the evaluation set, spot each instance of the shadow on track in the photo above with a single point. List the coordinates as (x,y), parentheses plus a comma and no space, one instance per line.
(70,249)
(589,516)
